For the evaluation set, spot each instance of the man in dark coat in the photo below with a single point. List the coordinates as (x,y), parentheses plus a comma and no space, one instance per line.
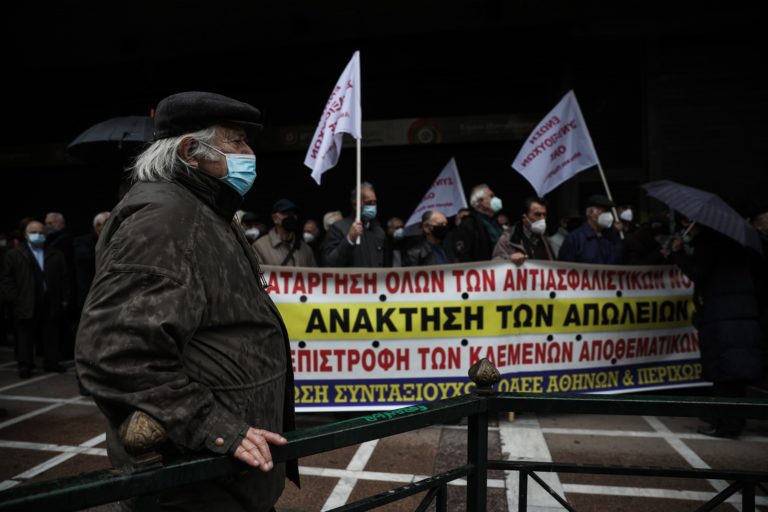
(178,324)
(477,233)
(341,247)
(432,250)
(727,316)
(527,239)
(596,241)
(35,281)
(57,236)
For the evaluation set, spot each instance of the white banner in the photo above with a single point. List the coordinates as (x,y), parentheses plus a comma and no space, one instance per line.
(558,148)
(376,339)
(446,195)
(341,115)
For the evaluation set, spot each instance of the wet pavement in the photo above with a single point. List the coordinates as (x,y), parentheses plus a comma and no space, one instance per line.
(51,431)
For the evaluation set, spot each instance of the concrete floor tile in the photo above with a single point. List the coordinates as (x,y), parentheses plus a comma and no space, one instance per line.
(68,425)
(80,463)
(410,452)
(623,451)
(593,421)
(14,462)
(60,385)
(310,498)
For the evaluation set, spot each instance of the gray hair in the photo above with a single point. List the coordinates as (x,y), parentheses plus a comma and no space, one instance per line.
(477,194)
(58,216)
(161,160)
(330,218)
(363,186)
(100,218)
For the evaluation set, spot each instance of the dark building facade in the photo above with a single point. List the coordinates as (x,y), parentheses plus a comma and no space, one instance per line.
(666,93)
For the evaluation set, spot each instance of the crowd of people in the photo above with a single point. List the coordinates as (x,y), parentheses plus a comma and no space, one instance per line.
(46,272)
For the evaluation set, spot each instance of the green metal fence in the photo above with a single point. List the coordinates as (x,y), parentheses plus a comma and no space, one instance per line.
(91,489)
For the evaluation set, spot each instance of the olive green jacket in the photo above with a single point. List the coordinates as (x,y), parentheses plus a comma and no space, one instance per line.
(177,325)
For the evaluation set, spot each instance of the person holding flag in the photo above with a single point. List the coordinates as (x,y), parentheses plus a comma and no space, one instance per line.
(358,243)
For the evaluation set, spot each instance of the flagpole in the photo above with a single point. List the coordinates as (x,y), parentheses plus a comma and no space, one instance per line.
(602,174)
(608,192)
(359,166)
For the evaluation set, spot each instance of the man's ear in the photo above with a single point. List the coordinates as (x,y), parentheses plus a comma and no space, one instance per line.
(187,147)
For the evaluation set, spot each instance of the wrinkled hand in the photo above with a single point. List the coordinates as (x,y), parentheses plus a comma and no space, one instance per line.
(254,448)
(518,258)
(355,230)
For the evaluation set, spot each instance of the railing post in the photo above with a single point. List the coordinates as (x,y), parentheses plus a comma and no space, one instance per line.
(477,455)
(522,493)
(441,503)
(748,496)
(484,375)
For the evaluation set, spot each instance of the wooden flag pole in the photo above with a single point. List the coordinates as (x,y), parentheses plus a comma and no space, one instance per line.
(608,193)
(602,177)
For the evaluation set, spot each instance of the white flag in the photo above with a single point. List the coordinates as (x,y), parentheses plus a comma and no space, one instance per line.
(445,195)
(341,115)
(558,148)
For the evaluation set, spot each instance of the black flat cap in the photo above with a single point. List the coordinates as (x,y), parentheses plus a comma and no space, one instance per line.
(190,111)
(600,200)
(283,205)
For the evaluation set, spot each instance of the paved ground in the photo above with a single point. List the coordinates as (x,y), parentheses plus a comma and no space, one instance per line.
(51,431)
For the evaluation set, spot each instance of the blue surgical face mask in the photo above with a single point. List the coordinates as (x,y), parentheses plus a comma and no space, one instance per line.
(496,204)
(241,170)
(36,239)
(369,211)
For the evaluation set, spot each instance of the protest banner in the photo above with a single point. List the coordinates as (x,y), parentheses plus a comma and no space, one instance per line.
(446,195)
(378,339)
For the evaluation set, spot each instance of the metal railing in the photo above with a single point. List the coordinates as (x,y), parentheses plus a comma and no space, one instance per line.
(92,489)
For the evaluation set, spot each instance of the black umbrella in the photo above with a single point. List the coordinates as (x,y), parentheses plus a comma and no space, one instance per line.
(705,208)
(119,137)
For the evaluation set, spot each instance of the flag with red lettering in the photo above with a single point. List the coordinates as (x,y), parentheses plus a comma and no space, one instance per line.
(445,195)
(557,149)
(341,115)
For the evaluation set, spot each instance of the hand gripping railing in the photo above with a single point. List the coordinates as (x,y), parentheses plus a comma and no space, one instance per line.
(91,489)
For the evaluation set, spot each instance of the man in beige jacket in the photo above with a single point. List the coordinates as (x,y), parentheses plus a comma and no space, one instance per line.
(283,246)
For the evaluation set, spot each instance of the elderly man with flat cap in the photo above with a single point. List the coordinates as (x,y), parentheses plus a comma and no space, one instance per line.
(179,343)
(595,241)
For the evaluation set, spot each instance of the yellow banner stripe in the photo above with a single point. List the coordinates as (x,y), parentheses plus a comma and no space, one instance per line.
(482,318)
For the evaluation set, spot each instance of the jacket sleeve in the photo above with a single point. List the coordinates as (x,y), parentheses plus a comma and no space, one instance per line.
(505,248)
(337,251)
(568,250)
(129,355)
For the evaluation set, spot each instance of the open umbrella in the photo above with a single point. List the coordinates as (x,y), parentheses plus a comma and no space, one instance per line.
(118,137)
(705,208)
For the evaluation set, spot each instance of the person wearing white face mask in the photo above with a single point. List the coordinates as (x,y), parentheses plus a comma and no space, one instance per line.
(476,236)
(178,330)
(595,241)
(527,238)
